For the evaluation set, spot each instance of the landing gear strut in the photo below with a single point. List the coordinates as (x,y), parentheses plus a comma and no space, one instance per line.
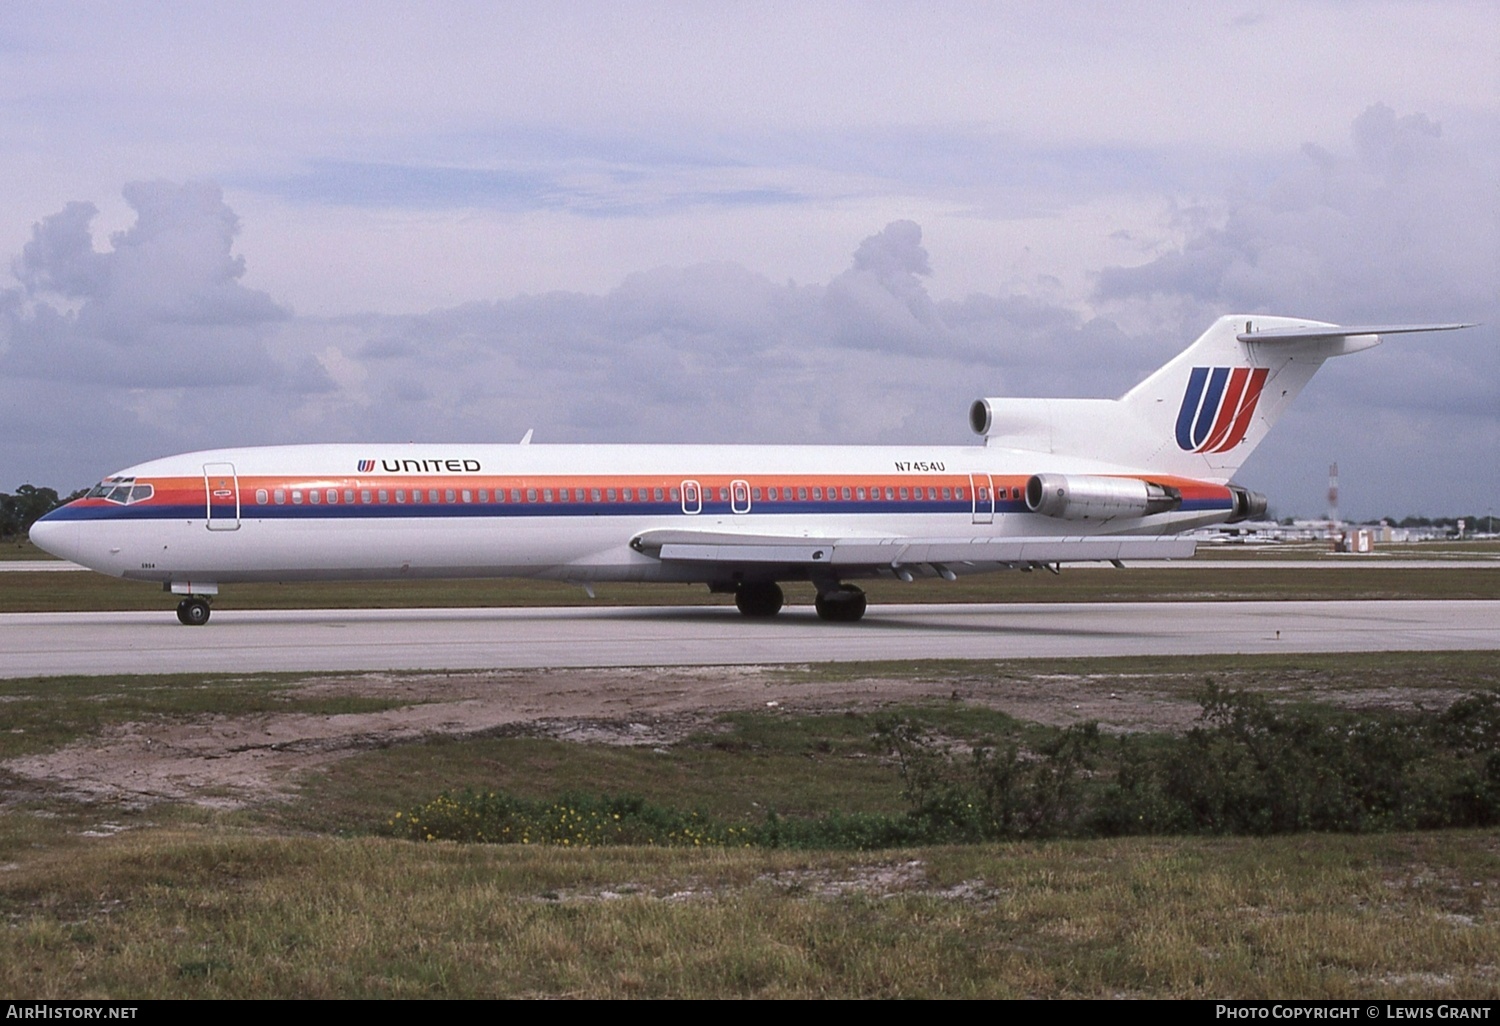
(843,604)
(759,599)
(193,611)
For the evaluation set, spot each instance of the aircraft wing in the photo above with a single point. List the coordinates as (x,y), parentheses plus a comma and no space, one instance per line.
(895,552)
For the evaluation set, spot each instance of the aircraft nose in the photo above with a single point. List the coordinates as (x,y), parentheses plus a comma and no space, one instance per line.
(59,537)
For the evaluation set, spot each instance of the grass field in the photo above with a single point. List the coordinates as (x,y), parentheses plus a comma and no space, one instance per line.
(204,911)
(311,895)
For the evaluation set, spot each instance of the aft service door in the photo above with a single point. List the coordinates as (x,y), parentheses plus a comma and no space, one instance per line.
(221,488)
(983,490)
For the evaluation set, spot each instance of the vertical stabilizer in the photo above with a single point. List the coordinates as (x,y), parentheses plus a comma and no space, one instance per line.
(1212,405)
(1200,415)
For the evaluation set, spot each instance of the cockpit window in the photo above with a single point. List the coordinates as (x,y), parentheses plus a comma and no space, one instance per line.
(121,490)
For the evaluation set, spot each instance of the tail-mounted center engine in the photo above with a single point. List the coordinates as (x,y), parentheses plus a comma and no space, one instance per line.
(1248,505)
(1086,497)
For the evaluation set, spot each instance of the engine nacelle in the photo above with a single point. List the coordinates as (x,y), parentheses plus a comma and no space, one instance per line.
(1086,497)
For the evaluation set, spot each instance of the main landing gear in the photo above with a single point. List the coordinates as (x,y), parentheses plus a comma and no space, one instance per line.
(839,603)
(759,600)
(843,604)
(193,611)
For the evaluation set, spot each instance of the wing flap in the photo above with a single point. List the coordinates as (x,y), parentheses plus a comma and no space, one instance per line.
(894,552)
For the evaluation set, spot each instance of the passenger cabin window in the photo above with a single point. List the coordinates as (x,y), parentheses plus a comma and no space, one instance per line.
(262,496)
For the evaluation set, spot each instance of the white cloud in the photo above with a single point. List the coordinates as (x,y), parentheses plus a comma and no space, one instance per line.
(162,307)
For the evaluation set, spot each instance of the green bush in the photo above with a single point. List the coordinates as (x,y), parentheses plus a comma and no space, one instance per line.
(1000,790)
(1248,767)
(1251,767)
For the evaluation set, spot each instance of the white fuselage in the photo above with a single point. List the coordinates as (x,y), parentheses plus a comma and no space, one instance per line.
(564,512)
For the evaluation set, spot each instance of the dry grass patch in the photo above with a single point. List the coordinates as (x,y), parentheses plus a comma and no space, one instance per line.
(214,913)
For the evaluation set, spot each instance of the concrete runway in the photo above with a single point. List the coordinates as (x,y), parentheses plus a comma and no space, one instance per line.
(46,644)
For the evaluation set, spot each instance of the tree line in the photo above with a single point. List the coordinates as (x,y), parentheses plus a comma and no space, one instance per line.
(19,511)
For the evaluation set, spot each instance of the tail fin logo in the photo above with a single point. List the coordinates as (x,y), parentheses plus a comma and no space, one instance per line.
(1217,407)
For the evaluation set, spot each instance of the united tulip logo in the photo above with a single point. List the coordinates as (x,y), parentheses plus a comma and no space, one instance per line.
(365,466)
(1217,407)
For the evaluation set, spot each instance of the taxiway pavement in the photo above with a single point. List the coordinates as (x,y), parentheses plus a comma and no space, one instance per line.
(253,641)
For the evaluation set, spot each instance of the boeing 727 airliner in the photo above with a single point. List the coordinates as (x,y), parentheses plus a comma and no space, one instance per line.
(1057,480)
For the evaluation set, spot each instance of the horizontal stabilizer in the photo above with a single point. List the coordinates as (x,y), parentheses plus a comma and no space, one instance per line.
(1331,331)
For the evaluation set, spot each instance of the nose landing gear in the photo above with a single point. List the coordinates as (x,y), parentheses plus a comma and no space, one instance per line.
(193,611)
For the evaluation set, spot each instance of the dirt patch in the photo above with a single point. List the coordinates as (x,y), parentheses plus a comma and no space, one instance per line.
(234,761)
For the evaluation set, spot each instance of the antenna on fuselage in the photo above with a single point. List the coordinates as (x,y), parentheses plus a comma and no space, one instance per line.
(526,438)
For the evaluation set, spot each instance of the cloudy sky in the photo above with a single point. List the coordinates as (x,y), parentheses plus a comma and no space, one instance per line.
(717,222)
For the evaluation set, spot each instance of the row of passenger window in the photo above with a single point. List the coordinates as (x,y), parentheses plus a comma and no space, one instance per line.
(774,493)
(435,496)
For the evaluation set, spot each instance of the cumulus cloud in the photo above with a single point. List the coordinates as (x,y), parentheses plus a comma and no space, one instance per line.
(162,307)
(714,352)
(150,344)
(880,302)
